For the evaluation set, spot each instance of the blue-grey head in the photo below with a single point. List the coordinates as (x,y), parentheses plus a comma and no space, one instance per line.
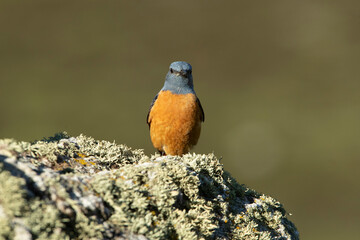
(179,79)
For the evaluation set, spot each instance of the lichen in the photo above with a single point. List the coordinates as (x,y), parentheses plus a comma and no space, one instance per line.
(6,231)
(78,187)
(45,221)
(12,193)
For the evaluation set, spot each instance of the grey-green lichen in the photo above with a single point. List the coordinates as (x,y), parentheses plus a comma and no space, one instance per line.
(76,187)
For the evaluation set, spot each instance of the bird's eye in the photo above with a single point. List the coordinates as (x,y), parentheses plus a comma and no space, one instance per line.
(171,70)
(190,72)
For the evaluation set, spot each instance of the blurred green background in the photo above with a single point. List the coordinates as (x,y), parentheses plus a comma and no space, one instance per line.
(278,80)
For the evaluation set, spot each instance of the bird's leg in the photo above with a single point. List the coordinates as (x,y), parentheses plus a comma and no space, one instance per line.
(162,153)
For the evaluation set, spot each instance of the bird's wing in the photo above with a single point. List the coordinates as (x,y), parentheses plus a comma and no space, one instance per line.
(148,121)
(202,110)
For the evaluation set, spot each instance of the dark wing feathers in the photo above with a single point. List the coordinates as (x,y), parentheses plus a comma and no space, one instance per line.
(151,105)
(202,110)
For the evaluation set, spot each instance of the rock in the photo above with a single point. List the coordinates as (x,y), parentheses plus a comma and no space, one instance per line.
(76,187)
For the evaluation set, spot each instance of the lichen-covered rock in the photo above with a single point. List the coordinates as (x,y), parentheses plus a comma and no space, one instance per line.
(76,187)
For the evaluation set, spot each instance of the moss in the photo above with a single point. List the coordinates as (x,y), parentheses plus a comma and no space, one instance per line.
(78,187)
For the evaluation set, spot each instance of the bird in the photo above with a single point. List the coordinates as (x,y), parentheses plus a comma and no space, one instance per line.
(176,114)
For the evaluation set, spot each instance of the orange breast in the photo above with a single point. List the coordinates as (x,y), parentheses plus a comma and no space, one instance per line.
(175,122)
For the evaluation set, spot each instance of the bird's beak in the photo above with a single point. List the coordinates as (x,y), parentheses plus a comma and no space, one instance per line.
(183,73)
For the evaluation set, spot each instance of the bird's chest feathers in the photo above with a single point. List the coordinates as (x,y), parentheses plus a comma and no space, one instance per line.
(171,107)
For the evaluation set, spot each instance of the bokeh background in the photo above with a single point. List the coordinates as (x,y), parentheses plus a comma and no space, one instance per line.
(278,80)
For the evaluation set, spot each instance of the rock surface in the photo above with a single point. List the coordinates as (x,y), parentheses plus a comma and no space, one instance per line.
(76,187)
